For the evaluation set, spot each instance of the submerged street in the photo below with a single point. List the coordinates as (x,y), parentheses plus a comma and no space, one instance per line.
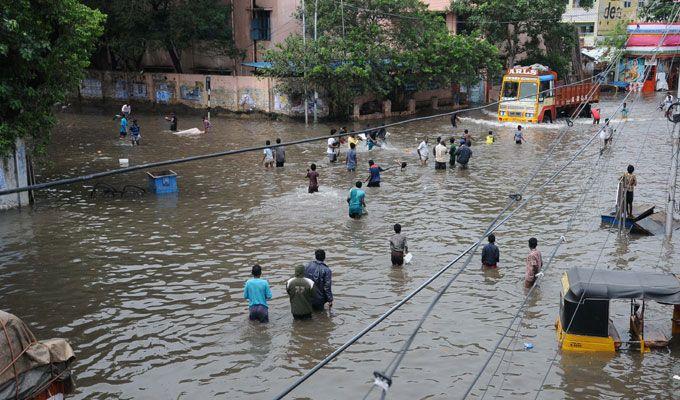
(149,290)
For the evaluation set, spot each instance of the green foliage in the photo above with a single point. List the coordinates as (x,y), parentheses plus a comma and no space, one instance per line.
(44,47)
(534,22)
(616,39)
(657,11)
(135,26)
(383,47)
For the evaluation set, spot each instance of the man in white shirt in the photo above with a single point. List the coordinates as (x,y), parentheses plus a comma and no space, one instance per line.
(440,158)
(423,152)
(333,147)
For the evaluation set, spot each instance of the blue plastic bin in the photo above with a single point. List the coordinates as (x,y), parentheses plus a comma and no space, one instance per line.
(163,181)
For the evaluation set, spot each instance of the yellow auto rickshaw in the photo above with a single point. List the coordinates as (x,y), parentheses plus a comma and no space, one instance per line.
(584,323)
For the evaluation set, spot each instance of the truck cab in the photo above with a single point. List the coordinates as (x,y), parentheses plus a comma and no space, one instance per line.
(527,94)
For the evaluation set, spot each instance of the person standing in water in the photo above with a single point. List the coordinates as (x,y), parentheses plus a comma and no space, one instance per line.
(301,294)
(206,124)
(257,292)
(374,177)
(440,155)
(452,152)
(313,177)
(454,119)
(490,253)
(268,155)
(519,137)
(123,127)
(534,263)
(357,201)
(624,112)
(490,138)
(351,158)
(463,154)
(319,273)
(595,112)
(332,146)
(280,153)
(134,133)
(173,121)
(423,152)
(629,181)
(468,138)
(398,247)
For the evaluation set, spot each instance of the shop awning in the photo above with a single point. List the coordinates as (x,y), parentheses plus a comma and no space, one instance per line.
(258,64)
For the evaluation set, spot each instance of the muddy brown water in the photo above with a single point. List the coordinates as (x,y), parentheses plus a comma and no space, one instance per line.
(149,290)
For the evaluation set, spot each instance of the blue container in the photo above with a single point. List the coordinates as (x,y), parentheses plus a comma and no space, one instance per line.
(163,181)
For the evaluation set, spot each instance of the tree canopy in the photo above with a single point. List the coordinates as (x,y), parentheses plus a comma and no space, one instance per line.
(517,27)
(658,11)
(44,48)
(135,26)
(383,47)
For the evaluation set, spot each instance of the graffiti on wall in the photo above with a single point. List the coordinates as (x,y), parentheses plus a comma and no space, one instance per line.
(90,87)
(191,93)
(120,90)
(163,92)
(139,91)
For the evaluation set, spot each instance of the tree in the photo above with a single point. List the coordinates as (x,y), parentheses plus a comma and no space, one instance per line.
(383,47)
(658,11)
(518,26)
(137,26)
(44,48)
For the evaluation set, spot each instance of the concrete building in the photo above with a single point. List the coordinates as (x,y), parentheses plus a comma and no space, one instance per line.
(601,19)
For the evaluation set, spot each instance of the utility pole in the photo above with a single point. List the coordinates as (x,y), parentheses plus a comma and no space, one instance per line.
(304,72)
(670,206)
(316,95)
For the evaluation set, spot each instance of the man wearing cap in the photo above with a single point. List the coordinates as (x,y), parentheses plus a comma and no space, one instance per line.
(463,154)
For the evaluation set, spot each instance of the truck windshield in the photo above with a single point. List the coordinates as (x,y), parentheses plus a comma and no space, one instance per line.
(527,91)
(510,89)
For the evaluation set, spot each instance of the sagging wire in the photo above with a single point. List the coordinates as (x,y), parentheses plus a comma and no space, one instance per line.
(389,372)
(515,197)
(552,361)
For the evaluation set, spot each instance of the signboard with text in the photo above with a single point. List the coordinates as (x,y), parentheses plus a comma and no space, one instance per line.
(613,12)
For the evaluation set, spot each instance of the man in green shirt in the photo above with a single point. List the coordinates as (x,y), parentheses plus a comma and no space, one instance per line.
(300,293)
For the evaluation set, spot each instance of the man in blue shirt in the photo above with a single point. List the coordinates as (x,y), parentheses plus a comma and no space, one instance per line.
(357,201)
(322,277)
(374,179)
(490,253)
(257,292)
(351,160)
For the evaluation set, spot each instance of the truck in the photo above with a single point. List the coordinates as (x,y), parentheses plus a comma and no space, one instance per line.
(531,94)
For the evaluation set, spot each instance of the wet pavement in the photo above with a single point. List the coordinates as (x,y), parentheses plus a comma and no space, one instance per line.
(149,290)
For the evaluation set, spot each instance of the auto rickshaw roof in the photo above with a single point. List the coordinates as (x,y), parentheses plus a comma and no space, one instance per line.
(589,283)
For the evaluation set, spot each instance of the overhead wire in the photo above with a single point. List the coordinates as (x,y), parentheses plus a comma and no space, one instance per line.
(561,240)
(552,361)
(82,178)
(387,375)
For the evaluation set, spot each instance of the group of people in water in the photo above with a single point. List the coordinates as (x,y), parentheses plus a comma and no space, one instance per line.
(310,289)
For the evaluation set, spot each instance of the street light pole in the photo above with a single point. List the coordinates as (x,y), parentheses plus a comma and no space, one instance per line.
(316,95)
(304,72)
(670,205)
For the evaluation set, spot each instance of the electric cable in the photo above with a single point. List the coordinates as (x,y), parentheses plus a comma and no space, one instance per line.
(356,337)
(82,178)
(552,362)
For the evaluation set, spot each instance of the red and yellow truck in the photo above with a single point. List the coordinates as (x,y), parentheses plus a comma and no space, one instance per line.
(530,94)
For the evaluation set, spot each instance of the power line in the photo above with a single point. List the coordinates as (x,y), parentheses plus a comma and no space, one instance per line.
(356,337)
(552,362)
(83,178)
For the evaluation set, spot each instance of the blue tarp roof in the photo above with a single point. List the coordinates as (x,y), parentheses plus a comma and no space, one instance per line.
(259,64)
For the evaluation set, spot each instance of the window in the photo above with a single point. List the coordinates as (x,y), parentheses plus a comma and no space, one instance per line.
(510,89)
(627,3)
(527,91)
(260,28)
(641,3)
(586,29)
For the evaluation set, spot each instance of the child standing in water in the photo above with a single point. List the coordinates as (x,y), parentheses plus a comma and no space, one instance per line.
(313,177)
(268,157)
(206,124)
(134,133)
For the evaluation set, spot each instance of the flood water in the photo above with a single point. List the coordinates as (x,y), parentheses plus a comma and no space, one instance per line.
(149,290)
